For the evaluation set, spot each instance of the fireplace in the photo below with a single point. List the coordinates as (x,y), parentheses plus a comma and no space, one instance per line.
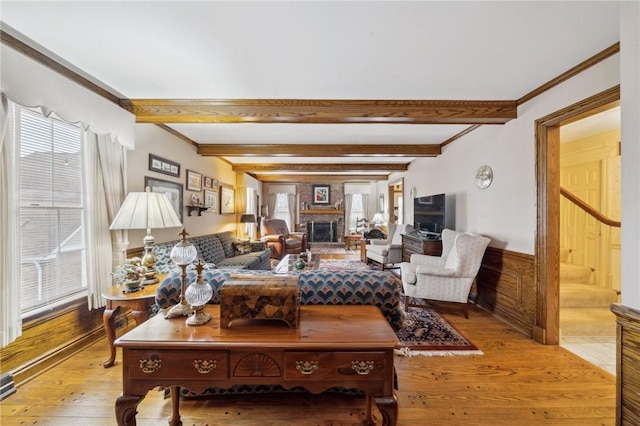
(322,231)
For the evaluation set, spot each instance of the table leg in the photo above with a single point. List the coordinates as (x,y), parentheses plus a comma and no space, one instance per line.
(175,406)
(126,409)
(388,406)
(108,319)
(140,316)
(368,414)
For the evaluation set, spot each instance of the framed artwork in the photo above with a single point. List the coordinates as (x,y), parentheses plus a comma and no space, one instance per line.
(162,165)
(227,200)
(194,181)
(211,200)
(214,184)
(321,194)
(208,182)
(172,189)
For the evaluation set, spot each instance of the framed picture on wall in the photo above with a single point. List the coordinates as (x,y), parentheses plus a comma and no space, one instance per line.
(227,200)
(321,194)
(194,181)
(162,165)
(173,190)
(211,200)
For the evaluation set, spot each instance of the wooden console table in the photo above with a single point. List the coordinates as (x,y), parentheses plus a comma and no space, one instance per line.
(413,244)
(348,345)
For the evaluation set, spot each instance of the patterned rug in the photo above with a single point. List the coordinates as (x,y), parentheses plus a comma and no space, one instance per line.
(342,264)
(427,333)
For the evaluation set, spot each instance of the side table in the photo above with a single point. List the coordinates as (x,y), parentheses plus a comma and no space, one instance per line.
(140,303)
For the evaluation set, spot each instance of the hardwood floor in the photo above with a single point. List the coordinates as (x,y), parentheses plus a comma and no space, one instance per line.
(515,382)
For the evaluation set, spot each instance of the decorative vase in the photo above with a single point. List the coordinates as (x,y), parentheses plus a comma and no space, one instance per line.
(198,295)
(299,264)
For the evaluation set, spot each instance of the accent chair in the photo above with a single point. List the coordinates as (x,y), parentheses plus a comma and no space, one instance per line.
(388,252)
(446,278)
(278,238)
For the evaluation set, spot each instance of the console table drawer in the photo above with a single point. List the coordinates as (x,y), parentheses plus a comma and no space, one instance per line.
(314,366)
(175,364)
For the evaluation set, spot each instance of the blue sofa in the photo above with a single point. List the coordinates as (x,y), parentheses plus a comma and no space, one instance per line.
(219,250)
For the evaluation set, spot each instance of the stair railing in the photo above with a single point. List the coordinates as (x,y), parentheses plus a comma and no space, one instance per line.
(588,209)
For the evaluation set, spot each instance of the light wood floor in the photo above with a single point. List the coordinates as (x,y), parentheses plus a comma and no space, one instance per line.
(515,382)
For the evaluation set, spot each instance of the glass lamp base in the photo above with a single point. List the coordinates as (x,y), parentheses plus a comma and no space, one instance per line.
(182,309)
(199,317)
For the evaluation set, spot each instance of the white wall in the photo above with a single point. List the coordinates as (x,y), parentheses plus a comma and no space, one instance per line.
(152,139)
(630,133)
(506,211)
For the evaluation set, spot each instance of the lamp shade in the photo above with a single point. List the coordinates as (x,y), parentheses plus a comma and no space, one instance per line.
(146,210)
(247,218)
(377,218)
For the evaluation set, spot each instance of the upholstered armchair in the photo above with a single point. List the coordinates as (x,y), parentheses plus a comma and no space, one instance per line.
(389,251)
(446,278)
(278,238)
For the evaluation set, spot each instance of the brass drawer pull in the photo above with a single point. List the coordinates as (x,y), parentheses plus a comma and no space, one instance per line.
(362,367)
(150,365)
(307,367)
(205,366)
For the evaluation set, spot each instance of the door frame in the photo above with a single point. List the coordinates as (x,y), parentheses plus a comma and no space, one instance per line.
(546,329)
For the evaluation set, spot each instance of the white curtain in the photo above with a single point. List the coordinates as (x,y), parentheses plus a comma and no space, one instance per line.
(10,311)
(291,205)
(365,205)
(348,199)
(104,193)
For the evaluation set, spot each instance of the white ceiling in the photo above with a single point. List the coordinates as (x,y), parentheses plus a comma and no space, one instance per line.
(318,50)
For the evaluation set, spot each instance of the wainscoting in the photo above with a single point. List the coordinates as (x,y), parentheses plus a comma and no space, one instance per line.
(628,365)
(506,287)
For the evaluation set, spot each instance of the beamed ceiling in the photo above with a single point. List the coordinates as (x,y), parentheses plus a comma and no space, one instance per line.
(287,91)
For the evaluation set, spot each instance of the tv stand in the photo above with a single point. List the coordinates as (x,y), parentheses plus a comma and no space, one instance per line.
(414,244)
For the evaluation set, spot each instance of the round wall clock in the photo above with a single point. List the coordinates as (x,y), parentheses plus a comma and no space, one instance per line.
(484,176)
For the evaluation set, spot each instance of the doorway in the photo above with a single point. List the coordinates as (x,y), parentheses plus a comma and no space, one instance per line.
(546,329)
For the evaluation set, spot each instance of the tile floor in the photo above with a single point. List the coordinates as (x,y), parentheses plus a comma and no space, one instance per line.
(598,350)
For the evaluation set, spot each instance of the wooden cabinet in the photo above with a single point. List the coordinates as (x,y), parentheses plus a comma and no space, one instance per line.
(413,244)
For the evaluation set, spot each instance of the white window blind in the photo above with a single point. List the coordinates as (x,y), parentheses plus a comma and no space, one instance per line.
(51,225)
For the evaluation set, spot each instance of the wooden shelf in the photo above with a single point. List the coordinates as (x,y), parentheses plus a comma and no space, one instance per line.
(322,211)
(198,209)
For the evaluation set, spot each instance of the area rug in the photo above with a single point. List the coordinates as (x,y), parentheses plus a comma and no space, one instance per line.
(427,333)
(342,265)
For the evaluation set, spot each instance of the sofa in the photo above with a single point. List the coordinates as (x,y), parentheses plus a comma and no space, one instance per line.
(220,250)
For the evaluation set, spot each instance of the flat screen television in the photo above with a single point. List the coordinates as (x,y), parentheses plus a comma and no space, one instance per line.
(429,215)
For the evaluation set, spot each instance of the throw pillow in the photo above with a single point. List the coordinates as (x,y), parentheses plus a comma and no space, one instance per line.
(241,247)
(257,246)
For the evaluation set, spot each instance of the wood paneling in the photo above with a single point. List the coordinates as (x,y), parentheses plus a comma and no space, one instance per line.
(49,338)
(628,365)
(506,287)
(326,111)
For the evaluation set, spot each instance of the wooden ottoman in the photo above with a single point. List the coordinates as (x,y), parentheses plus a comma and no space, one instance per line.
(260,297)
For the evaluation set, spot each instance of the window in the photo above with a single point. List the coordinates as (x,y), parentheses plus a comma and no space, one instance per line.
(282,209)
(357,211)
(51,211)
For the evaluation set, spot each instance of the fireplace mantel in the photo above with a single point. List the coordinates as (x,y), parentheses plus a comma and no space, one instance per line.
(322,211)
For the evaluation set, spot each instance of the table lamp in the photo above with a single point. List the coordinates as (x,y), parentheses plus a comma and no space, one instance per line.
(146,210)
(377,220)
(247,218)
(182,255)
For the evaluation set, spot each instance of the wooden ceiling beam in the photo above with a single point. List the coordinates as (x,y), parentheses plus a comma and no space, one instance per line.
(303,168)
(301,150)
(322,111)
(311,178)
